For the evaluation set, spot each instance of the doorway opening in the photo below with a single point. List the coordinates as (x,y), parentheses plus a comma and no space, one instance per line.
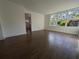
(28,23)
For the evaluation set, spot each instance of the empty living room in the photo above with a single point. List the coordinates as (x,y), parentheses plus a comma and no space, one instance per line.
(39,29)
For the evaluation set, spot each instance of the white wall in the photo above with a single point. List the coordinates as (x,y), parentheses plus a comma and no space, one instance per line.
(70,30)
(14,20)
(1,34)
(37,21)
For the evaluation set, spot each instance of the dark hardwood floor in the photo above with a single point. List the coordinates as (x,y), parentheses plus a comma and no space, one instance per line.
(40,45)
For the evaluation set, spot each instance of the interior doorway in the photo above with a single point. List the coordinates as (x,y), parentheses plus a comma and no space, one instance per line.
(28,23)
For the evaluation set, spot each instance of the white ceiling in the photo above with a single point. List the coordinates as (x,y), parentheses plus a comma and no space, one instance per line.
(47,6)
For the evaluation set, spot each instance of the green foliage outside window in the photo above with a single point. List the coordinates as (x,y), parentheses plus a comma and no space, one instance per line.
(76,15)
(61,23)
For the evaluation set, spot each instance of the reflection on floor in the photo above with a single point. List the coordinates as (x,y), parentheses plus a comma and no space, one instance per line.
(40,45)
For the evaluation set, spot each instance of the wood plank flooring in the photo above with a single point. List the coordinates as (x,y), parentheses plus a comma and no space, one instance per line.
(40,45)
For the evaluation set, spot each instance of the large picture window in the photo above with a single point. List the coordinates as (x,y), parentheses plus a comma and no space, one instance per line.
(65,18)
